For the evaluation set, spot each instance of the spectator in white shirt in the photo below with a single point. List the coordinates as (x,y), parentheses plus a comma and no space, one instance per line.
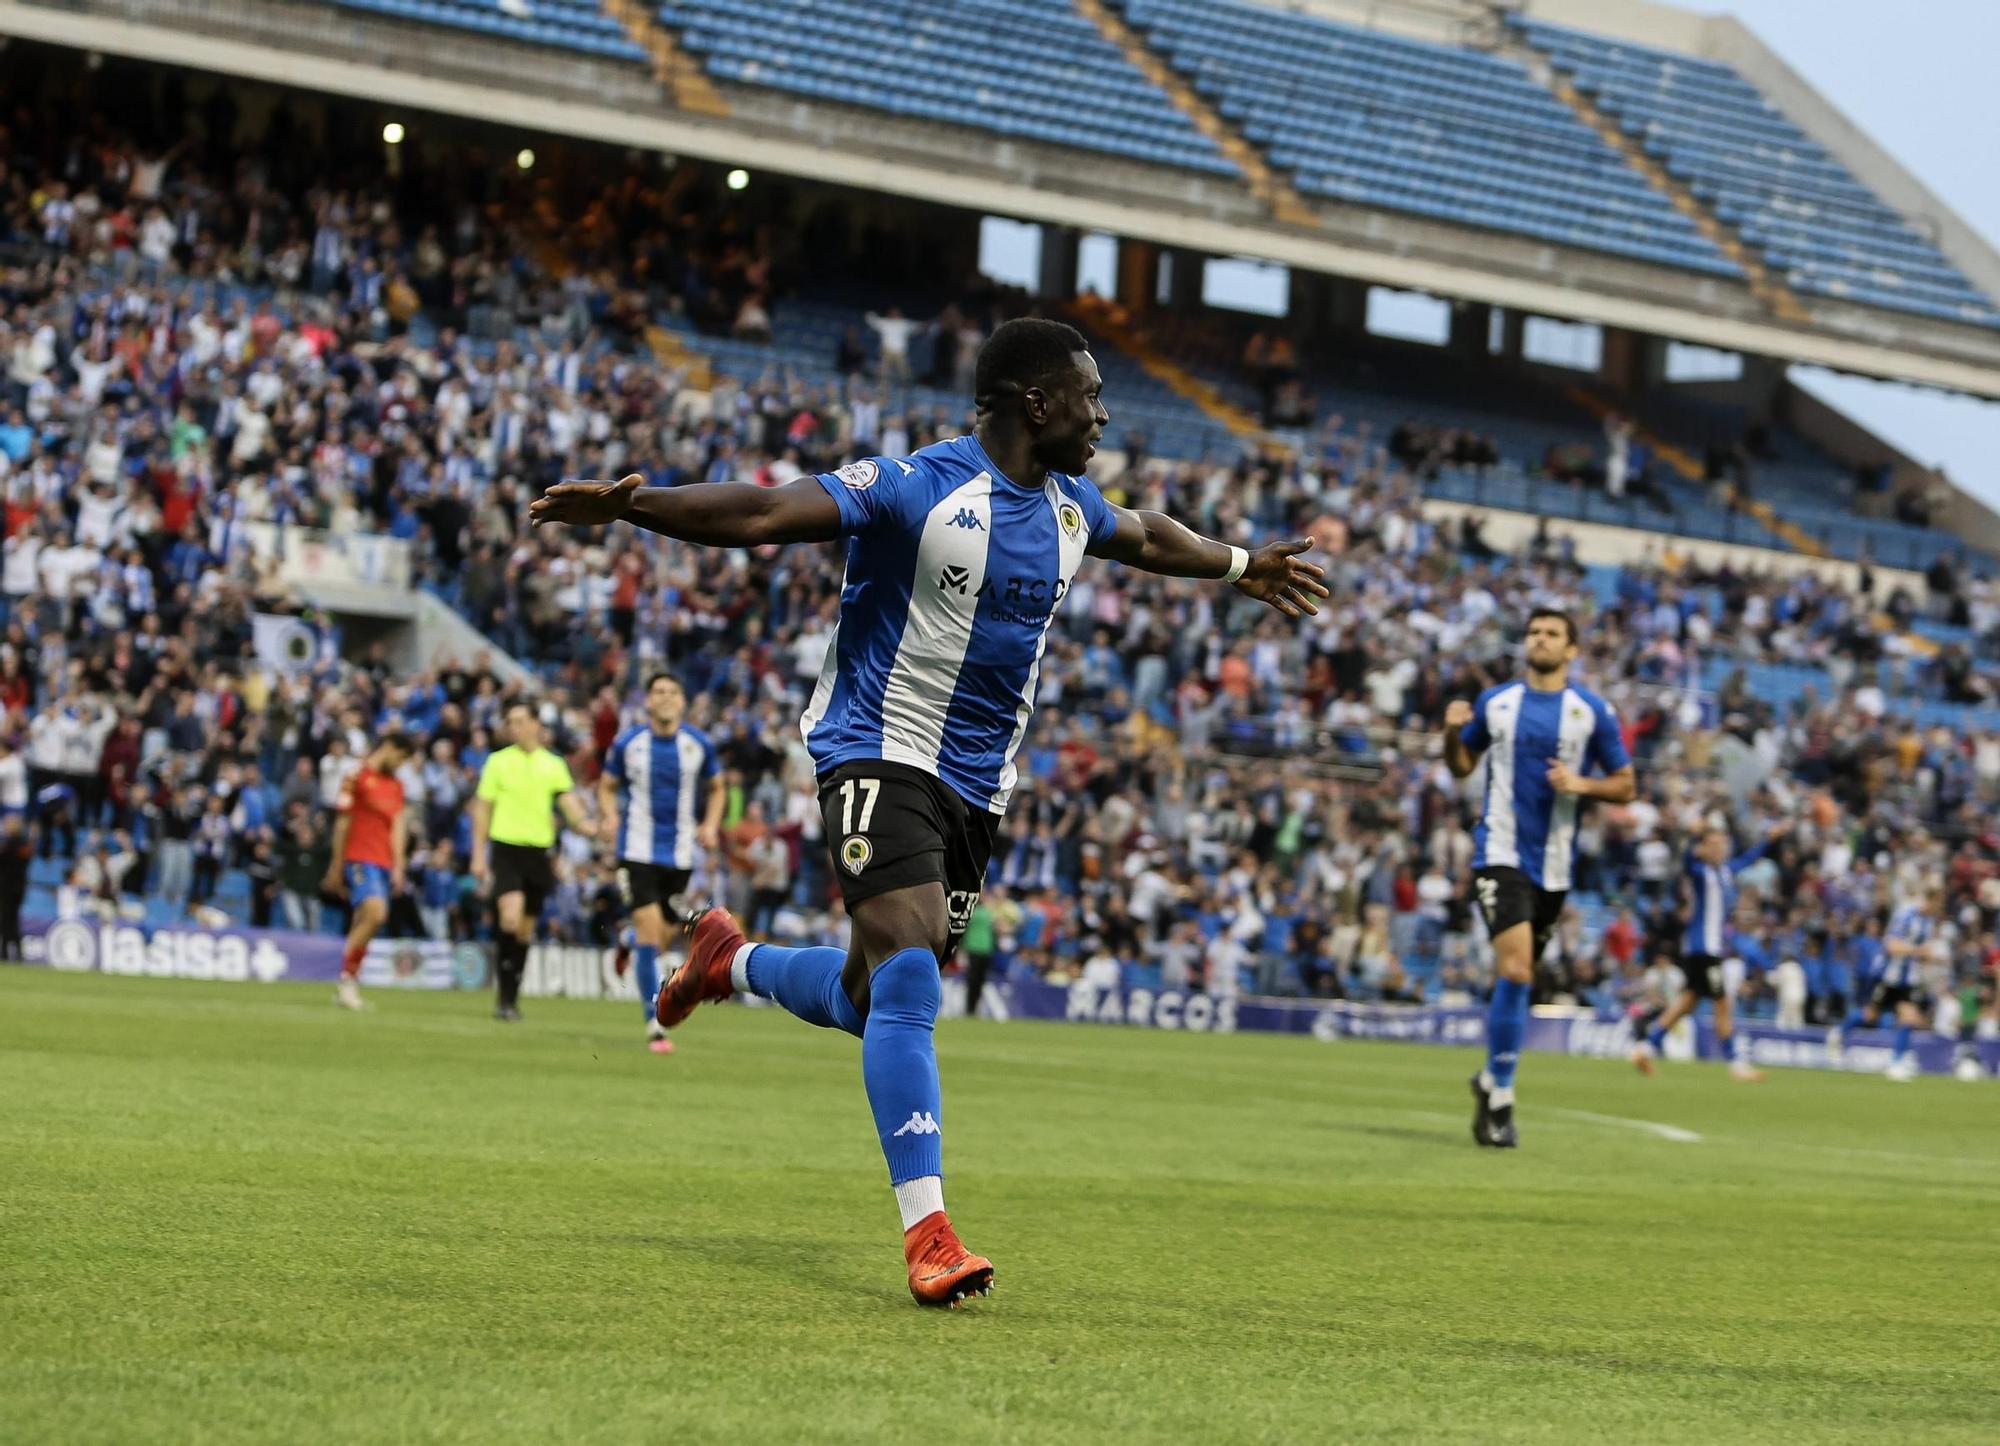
(894,331)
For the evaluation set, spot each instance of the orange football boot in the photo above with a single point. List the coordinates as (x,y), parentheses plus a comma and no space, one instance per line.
(704,975)
(942,1271)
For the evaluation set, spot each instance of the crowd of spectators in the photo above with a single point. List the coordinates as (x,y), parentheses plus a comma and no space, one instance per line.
(1212,797)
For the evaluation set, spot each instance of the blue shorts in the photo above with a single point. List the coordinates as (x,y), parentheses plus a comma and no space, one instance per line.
(365,882)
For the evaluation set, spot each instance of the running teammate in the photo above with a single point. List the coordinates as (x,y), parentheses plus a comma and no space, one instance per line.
(1711,881)
(513,829)
(662,785)
(1541,736)
(957,558)
(1912,931)
(370,842)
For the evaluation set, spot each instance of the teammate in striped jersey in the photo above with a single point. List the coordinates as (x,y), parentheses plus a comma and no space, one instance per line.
(662,783)
(1541,737)
(1914,930)
(1705,945)
(957,559)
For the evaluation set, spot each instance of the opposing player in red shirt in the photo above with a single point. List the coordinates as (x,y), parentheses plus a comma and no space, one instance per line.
(369,849)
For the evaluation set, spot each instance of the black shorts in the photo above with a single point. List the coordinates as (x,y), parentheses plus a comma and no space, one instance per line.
(890,826)
(1886,997)
(642,884)
(1703,973)
(1507,897)
(520,869)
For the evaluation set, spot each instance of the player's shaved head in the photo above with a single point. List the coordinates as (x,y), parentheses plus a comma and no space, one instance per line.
(1038,389)
(1024,353)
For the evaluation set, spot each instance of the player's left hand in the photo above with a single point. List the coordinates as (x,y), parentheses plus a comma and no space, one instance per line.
(708,838)
(584,503)
(1278,576)
(398,881)
(1563,778)
(333,884)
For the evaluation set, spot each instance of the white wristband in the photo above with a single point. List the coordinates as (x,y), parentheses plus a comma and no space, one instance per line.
(1238,561)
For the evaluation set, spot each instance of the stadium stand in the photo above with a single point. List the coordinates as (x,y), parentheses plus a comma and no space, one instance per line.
(580,25)
(1035,69)
(1376,119)
(1763,175)
(373,362)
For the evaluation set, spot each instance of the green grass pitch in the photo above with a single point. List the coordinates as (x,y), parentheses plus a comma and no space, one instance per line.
(231,1213)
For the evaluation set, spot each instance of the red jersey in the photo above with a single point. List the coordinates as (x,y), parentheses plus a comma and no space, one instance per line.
(371,800)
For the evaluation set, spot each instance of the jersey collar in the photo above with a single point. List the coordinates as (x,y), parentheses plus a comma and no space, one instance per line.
(1001,479)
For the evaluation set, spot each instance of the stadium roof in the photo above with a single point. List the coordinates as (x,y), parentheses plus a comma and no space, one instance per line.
(833,140)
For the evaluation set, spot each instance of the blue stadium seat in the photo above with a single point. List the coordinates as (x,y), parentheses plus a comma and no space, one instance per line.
(1382,121)
(576,25)
(1031,68)
(1817,226)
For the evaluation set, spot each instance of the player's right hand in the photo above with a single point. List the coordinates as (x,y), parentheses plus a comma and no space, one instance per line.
(1457,713)
(333,884)
(482,873)
(585,503)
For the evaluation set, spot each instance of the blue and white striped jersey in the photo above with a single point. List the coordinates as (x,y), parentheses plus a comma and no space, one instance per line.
(953,575)
(1913,926)
(663,789)
(1524,823)
(1714,887)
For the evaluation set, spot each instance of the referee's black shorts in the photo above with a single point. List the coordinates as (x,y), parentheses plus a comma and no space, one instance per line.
(525,870)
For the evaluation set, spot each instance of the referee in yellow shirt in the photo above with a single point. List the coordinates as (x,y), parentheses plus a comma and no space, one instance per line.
(513,829)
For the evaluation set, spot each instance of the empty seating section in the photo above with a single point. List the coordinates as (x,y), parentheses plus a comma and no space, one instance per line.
(1030,68)
(579,25)
(1816,225)
(1379,120)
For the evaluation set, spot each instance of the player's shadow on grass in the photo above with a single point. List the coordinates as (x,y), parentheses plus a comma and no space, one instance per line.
(796,1264)
(1392,1132)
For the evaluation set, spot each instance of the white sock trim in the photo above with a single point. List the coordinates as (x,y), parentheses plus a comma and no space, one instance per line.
(919,1198)
(1500,1098)
(739,970)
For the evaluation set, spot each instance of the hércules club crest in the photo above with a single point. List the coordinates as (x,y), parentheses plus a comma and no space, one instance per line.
(855,853)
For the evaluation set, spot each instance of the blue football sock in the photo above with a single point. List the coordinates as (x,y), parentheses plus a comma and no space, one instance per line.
(1657,1038)
(1732,1048)
(899,1063)
(1506,1022)
(1901,1043)
(646,969)
(1855,1020)
(806,982)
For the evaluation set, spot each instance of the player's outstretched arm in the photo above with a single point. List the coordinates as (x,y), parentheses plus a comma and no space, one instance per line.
(711,514)
(1273,574)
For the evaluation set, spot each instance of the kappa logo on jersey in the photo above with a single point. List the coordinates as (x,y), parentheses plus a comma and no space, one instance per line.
(967,518)
(855,854)
(920,1122)
(955,579)
(860,476)
(1070,517)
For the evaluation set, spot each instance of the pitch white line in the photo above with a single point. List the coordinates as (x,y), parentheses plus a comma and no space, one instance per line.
(1652,1127)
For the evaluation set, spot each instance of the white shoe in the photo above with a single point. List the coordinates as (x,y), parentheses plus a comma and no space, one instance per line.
(347,994)
(1835,1044)
(1747,1072)
(656,1039)
(1901,1072)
